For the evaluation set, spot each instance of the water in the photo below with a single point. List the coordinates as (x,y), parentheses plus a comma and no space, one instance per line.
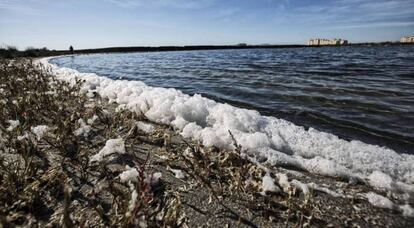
(363,93)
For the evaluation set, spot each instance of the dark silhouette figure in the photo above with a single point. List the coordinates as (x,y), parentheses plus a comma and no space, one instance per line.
(71,49)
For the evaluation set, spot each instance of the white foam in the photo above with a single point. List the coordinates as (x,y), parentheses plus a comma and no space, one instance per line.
(178,173)
(83,129)
(283,181)
(92,120)
(277,140)
(145,127)
(303,187)
(12,124)
(407,210)
(383,202)
(326,190)
(153,179)
(129,175)
(22,137)
(39,131)
(268,184)
(379,201)
(111,146)
(380,180)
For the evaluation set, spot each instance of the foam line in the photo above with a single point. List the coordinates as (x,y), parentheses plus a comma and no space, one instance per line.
(273,141)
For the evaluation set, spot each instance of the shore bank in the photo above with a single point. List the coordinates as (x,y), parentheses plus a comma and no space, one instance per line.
(71,157)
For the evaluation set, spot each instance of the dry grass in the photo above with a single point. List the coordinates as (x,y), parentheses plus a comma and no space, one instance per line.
(46,180)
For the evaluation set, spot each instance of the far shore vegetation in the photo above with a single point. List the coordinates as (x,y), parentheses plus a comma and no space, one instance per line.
(10,51)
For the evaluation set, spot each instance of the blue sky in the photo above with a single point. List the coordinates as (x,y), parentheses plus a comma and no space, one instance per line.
(103,23)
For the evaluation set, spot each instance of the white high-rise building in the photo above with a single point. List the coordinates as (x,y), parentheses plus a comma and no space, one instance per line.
(407,39)
(318,42)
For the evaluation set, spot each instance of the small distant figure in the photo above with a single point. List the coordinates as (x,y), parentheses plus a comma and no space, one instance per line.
(71,49)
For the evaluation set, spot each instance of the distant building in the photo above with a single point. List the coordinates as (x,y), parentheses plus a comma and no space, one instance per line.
(333,42)
(407,39)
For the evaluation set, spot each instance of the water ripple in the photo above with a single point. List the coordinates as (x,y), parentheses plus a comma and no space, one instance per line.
(354,92)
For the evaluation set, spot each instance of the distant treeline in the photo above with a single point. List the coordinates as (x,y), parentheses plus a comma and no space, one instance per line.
(13,52)
(387,43)
(181,48)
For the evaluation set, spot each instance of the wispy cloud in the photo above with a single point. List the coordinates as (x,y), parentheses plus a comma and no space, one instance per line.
(180,4)
(376,25)
(20,6)
(225,13)
(356,13)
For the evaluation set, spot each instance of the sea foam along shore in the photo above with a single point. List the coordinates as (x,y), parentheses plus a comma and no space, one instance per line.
(270,140)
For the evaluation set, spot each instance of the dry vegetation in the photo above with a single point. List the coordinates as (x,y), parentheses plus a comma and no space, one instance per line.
(49,179)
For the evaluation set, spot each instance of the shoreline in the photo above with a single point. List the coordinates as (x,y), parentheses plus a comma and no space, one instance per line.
(225,184)
(303,149)
(345,128)
(394,186)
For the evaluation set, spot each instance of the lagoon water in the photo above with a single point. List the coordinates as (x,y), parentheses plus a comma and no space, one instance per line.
(363,93)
